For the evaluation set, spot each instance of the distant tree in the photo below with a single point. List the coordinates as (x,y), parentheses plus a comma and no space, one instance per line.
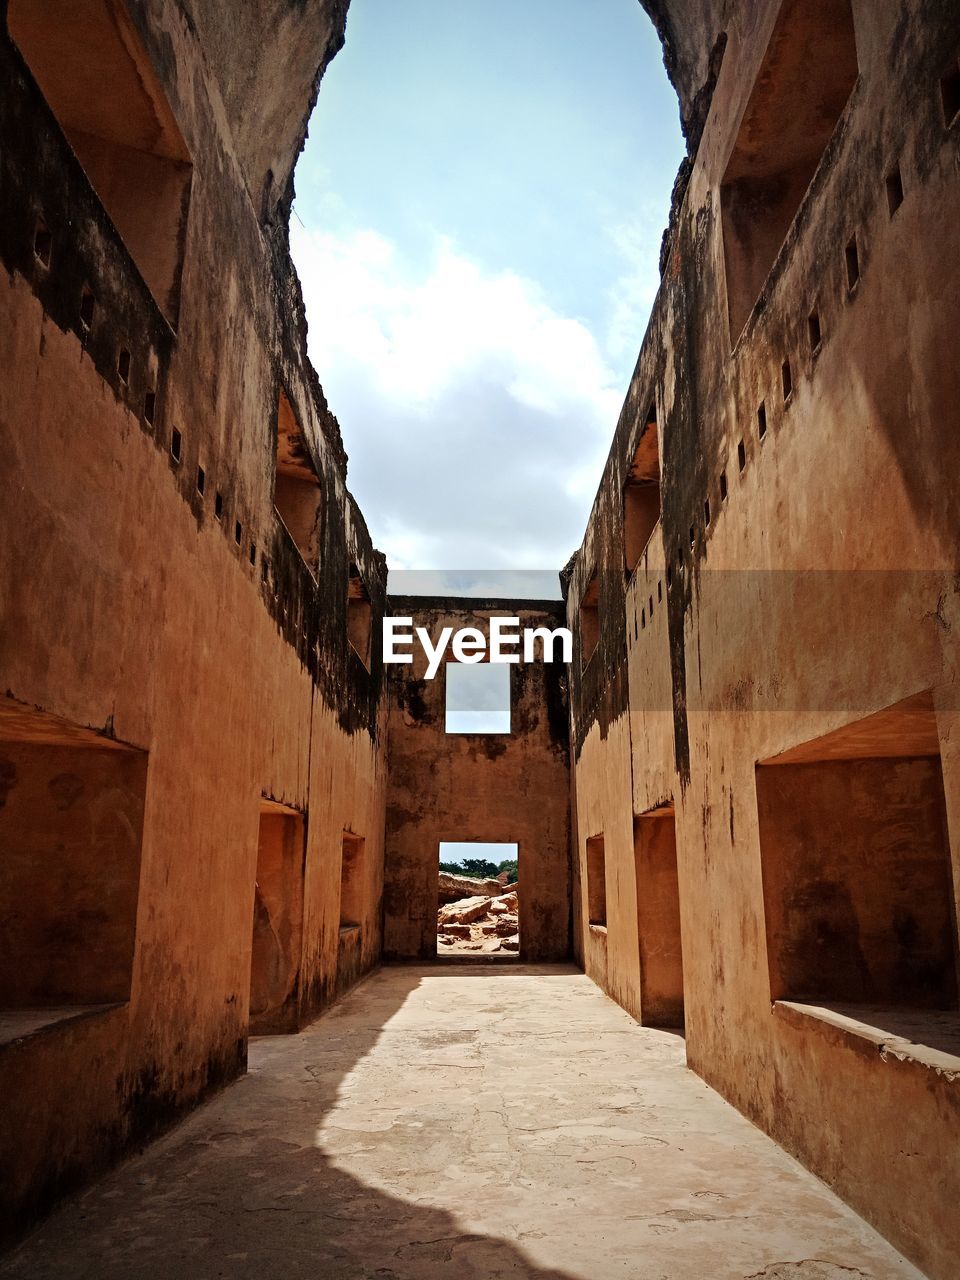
(452,868)
(479,868)
(512,868)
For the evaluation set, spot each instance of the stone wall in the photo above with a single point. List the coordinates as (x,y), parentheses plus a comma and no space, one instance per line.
(465,787)
(151,596)
(801,580)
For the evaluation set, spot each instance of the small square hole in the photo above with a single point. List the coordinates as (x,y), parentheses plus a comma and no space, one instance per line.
(650,602)
(786,376)
(150,407)
(42,244)
(253,553)
(741,455)
(950,94)
(218,506)
(86,308)
(723,486)
(659,591)
(762,419)
(176,445)
(852,257)
(238,533)
(706,513)
(201,480)
(643,619)
(894,185)
(813,330)
(123,366)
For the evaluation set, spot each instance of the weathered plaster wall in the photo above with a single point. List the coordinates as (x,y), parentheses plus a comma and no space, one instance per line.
(464,787)
(182,623)
(821,588)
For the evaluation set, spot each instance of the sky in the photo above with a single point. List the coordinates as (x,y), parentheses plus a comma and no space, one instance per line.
(477,227)
(477,697)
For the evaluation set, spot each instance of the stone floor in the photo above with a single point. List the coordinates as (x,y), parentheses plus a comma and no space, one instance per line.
(474,1123)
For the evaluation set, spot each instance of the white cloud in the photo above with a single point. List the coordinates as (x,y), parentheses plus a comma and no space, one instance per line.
(476,416)
(630,299)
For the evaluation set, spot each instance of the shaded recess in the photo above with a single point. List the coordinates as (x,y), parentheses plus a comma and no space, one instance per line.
(641,494)
(658,917)
(353,892)
(298,495)
(71,822)
(359,616)
(590,619)
(807,74)
(857,882)
(596,881)
(127,139)
(277,946)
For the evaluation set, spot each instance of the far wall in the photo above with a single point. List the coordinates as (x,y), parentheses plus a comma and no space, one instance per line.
(477,787)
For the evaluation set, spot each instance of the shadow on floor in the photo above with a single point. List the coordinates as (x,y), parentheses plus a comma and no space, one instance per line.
(241,1190)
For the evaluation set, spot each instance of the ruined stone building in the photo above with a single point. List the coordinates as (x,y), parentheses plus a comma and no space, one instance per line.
(738,808)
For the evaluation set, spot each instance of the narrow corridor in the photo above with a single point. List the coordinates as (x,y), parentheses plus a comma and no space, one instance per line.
(477,1123)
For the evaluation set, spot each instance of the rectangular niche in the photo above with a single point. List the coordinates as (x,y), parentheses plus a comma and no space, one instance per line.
(71,828)
(277,920)
(658,918)
(589,620)
(354,893)
(359,616)
(352,880)
(98,79)
(857,881)
(297,493)
(641,494)
(807,74)
(596,882)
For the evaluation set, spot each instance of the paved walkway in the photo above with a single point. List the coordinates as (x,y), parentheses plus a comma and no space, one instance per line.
(507,1122)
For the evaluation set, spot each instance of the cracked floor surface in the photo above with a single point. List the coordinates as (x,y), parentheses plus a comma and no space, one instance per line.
(443,1121)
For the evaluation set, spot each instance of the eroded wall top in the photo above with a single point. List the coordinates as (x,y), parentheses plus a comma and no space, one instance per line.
(691,32)
(268,57)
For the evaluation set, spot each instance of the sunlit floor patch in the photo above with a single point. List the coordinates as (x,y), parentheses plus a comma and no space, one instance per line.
(506,1121)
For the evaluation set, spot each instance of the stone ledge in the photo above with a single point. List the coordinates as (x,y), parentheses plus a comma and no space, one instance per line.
(863,1025)
(17,1025)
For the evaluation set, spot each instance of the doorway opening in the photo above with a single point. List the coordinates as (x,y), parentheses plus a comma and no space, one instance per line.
(658,917)
(478,902)
(275,954)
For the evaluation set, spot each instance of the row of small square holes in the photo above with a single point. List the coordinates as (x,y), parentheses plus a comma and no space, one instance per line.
(176,452)
(893,185)
(43,252)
